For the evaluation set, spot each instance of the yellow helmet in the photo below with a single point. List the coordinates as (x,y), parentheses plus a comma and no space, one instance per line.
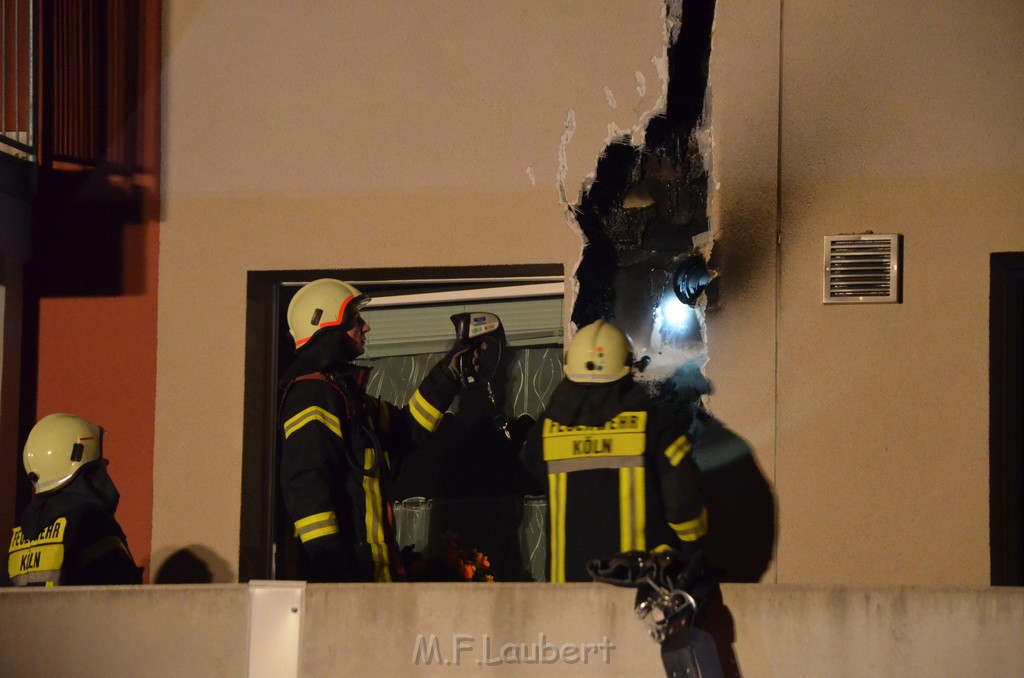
(57,447)
(599,353)
(321,304)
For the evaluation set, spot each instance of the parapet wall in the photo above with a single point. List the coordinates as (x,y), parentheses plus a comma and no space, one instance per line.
(284,628)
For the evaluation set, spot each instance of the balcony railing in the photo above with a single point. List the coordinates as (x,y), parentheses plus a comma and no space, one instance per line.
(17,111)
(73,78)
(91,83)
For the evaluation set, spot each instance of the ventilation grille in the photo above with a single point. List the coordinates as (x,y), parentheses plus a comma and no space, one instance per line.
(862,269)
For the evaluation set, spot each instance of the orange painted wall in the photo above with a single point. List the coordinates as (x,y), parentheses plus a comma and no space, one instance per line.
(97,359)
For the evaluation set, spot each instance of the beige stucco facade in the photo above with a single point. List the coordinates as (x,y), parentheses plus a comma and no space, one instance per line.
(895,118)
(388,134)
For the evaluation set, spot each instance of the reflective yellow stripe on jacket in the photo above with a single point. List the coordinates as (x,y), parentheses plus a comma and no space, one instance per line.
(632,510)
(374,518)
(556,509)
(309,415)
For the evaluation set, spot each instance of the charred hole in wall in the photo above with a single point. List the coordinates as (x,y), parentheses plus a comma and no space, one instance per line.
(645,212)
(643,216)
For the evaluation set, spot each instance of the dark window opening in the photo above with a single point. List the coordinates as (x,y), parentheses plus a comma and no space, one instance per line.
(465,470)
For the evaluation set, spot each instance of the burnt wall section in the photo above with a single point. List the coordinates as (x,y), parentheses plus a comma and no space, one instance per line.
(643,216)
(647,207)
(596,216)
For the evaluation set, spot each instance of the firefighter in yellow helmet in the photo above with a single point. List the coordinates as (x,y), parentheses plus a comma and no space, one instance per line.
(340,445)
(67,534)
(618,468)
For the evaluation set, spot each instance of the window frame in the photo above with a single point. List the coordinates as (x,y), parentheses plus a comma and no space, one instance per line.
(256,559)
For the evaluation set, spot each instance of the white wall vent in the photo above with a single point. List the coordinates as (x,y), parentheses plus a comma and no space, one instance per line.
(862,269)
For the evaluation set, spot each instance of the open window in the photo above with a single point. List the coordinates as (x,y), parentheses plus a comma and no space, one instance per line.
(468,459)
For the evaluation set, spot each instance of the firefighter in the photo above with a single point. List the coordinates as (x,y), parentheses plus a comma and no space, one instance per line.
(618,468)
(67,534)
(340,446)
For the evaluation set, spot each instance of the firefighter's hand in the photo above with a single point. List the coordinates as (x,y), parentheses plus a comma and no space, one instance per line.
(459,365)
(629,568)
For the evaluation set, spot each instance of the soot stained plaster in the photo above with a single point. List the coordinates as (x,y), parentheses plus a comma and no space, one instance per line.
(645,211)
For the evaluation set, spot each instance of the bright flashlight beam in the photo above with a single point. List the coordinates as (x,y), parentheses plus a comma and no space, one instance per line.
(675,314)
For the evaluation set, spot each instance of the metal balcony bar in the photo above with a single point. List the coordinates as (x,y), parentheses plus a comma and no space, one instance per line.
(17,111)
(92,83)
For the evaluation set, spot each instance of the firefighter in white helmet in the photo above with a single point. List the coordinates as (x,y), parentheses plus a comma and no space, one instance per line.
(618,468)
(340,445)
(68,534)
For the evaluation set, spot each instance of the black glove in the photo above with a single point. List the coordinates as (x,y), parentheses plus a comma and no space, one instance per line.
(625,569)
(672,570)
(458,364)
(479,343)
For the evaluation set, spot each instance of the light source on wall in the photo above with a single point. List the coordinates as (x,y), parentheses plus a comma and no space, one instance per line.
(690,279)
(675,316)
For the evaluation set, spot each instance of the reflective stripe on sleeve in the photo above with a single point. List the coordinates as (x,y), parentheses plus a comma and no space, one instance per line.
(311,414)
(692,530)
(678,450)
(425,414)
(317,525)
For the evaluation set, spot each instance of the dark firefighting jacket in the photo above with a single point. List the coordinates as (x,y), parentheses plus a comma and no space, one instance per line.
(68,537)
(339,455)
(619,474)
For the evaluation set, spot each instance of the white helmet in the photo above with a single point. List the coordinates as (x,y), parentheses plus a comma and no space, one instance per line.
(321,304)
(57,447)
(600,353)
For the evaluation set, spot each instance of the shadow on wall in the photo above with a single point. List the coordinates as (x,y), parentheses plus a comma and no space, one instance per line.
(741,505)
(194,564)
(94,212)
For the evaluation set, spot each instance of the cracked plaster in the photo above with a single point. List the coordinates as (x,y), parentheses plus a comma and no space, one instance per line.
(642,210)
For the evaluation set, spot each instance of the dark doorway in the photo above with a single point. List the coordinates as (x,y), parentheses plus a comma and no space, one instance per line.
(1006,418)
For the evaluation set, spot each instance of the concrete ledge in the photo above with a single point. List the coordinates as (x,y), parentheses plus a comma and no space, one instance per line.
(125,631)
(813,631)
(509,629)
